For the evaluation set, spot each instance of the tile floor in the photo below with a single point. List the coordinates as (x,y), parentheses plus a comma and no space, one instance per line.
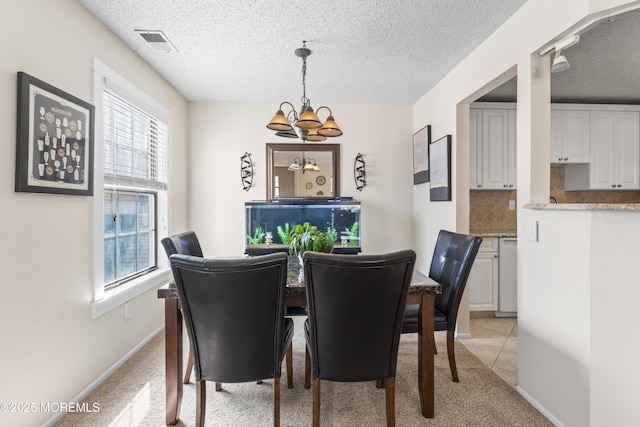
(494,340)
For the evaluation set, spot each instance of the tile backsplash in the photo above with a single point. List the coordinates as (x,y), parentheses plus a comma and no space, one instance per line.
(489,210)
(591,196)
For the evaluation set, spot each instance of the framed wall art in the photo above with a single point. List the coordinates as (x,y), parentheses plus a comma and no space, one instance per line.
(440,169)
(54,143)
(421,141)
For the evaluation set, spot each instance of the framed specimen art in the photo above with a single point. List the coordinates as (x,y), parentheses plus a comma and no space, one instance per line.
(421,141)
(440,169)
(54,140)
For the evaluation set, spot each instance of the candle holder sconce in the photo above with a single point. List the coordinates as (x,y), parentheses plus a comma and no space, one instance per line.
(246,171)
(359,172)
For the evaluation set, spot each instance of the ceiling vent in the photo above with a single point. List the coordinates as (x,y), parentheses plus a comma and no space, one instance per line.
(157,40)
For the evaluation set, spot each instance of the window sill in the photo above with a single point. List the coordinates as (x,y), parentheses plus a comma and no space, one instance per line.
(125,292)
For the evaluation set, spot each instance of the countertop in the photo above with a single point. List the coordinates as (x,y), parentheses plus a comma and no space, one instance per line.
(494,232)
(585,206)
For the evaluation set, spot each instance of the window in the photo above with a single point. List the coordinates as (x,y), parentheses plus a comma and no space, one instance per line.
(130,201)
(134,171)
(129,235)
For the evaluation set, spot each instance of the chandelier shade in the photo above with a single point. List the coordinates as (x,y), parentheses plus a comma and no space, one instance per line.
(309,125)
(279,122)
(291,133)
(330,128)
(314,136)
(308,119)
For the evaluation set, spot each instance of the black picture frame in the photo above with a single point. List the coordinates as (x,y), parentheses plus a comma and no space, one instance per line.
(54,140)
(421,142)
(440,169)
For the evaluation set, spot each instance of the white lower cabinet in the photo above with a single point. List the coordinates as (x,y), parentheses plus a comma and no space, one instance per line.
(483,279)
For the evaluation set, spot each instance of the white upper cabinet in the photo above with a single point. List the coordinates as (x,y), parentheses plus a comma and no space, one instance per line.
(570,136)
(616,146)
(493,149)
(475,150)
(615,154)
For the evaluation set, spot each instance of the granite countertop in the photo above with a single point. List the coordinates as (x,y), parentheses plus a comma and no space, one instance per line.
(494,232)
(585,206)
(420,284)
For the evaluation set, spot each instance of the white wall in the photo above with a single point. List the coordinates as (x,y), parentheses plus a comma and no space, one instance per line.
(52,348)
(219,135)
(562,325)
(614,325)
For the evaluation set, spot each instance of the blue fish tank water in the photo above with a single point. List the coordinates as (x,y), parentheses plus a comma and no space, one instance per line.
(267,223)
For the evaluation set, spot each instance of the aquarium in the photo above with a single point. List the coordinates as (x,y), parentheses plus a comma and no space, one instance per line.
(267,224)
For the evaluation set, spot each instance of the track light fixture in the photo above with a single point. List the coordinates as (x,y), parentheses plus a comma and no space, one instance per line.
(560,63)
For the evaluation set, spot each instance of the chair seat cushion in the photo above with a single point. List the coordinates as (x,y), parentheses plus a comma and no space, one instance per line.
(410,324)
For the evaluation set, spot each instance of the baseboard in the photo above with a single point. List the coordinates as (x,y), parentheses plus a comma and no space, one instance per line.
(506,314)
(556,422)
(464,336)
(84,393)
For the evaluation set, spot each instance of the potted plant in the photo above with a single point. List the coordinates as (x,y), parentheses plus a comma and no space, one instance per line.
(304,238)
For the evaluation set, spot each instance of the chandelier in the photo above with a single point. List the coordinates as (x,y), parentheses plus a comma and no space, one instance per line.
(304,165)
(307,121)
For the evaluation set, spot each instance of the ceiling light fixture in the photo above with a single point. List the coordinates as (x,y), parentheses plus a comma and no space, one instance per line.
(560,63)
(307,121)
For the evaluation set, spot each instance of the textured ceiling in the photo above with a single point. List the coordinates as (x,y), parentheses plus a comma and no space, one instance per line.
(605,66)
(388,52)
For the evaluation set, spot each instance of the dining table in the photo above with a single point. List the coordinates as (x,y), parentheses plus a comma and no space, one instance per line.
(422,291)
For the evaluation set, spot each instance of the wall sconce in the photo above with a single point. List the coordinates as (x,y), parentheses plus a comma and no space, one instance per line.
(359,172)
(246,171)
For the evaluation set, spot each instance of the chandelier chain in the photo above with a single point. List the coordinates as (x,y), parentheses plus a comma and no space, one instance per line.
(304,80)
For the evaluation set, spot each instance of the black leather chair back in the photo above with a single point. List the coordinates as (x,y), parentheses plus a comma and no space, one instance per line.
(234,312)
(356,308)
(184,243)
(451,264)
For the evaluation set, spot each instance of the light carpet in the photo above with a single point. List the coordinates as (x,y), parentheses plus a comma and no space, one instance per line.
(134,395)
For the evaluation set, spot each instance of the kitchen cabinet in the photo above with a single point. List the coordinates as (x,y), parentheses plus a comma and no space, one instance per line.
(615,154)
(492,137)
(475,151)
(483,279)
(570,136)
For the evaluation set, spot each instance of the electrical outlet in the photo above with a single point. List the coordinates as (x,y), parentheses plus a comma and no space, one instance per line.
(512,205)
(128,310)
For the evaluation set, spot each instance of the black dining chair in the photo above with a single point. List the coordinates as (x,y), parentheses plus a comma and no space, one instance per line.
(356,307)
(234,311)
(451,264)
(186,243)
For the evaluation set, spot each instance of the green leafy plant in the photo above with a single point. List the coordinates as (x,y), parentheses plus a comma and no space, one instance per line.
(258,237)
(353,234)
(332,233)
(304,238)
(283,233)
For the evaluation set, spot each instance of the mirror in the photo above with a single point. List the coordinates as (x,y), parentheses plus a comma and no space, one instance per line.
(288,178)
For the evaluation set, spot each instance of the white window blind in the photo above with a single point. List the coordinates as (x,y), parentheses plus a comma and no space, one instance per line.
(134,146)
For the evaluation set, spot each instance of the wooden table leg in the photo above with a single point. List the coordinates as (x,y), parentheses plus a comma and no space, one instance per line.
(173,359)
(426,344)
